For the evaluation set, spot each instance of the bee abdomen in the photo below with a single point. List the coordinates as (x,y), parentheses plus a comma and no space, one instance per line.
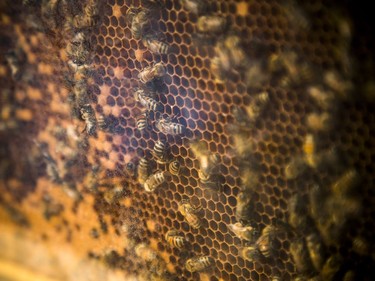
(154,181)
(163,48)
(153,105)
(145,77)
(300,256)
(160,152)
(174,167)
(174,239)
(209,181)
(142,122)
(193,220)
(178,129)
(198,263)
(157,47)
(250,253)
(143,170)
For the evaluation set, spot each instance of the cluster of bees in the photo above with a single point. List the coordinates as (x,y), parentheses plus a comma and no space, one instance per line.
(317,220)
(176,239)
(70,27)
(229,56)
(323,214)
(140,20)
(259,245)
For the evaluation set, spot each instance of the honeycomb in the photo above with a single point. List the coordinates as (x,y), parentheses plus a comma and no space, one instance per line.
(72,179)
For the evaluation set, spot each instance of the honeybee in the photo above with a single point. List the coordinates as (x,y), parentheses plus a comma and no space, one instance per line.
(145,252)
(242,143)
(143,170)
(331,267)
(142,121)
(160,152)
(237,55)
(209,181)
(90,16)
(319,121)
(84,21)
(190,213)
(249,176)
(15,59)
(251,253)
(324,99)
(81,92)
(240,116)
(345,183)
(152,72)
(79,39)
(140,21)
(360,246)
(229,56)
(296,72)
(49,11)
(309,150)
(349,276)
(91,9)
(245,232)
(340,86)
(130,169)
(78,50)
(102,122)
(317,199)
(211,24)
(296,16)
(244,206)
(147,101)
(256,75)
(300,256)
(298,217)
(88,115)
(194,6)
(52,169)
(155,46)
(198,263)
(295,167)
(266,242)
(257,105)
(174,167)
(153,181)
(217,67)
(315,248)
(174,239)
(76,69)
(208,161)
(113,194)
(168,127)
